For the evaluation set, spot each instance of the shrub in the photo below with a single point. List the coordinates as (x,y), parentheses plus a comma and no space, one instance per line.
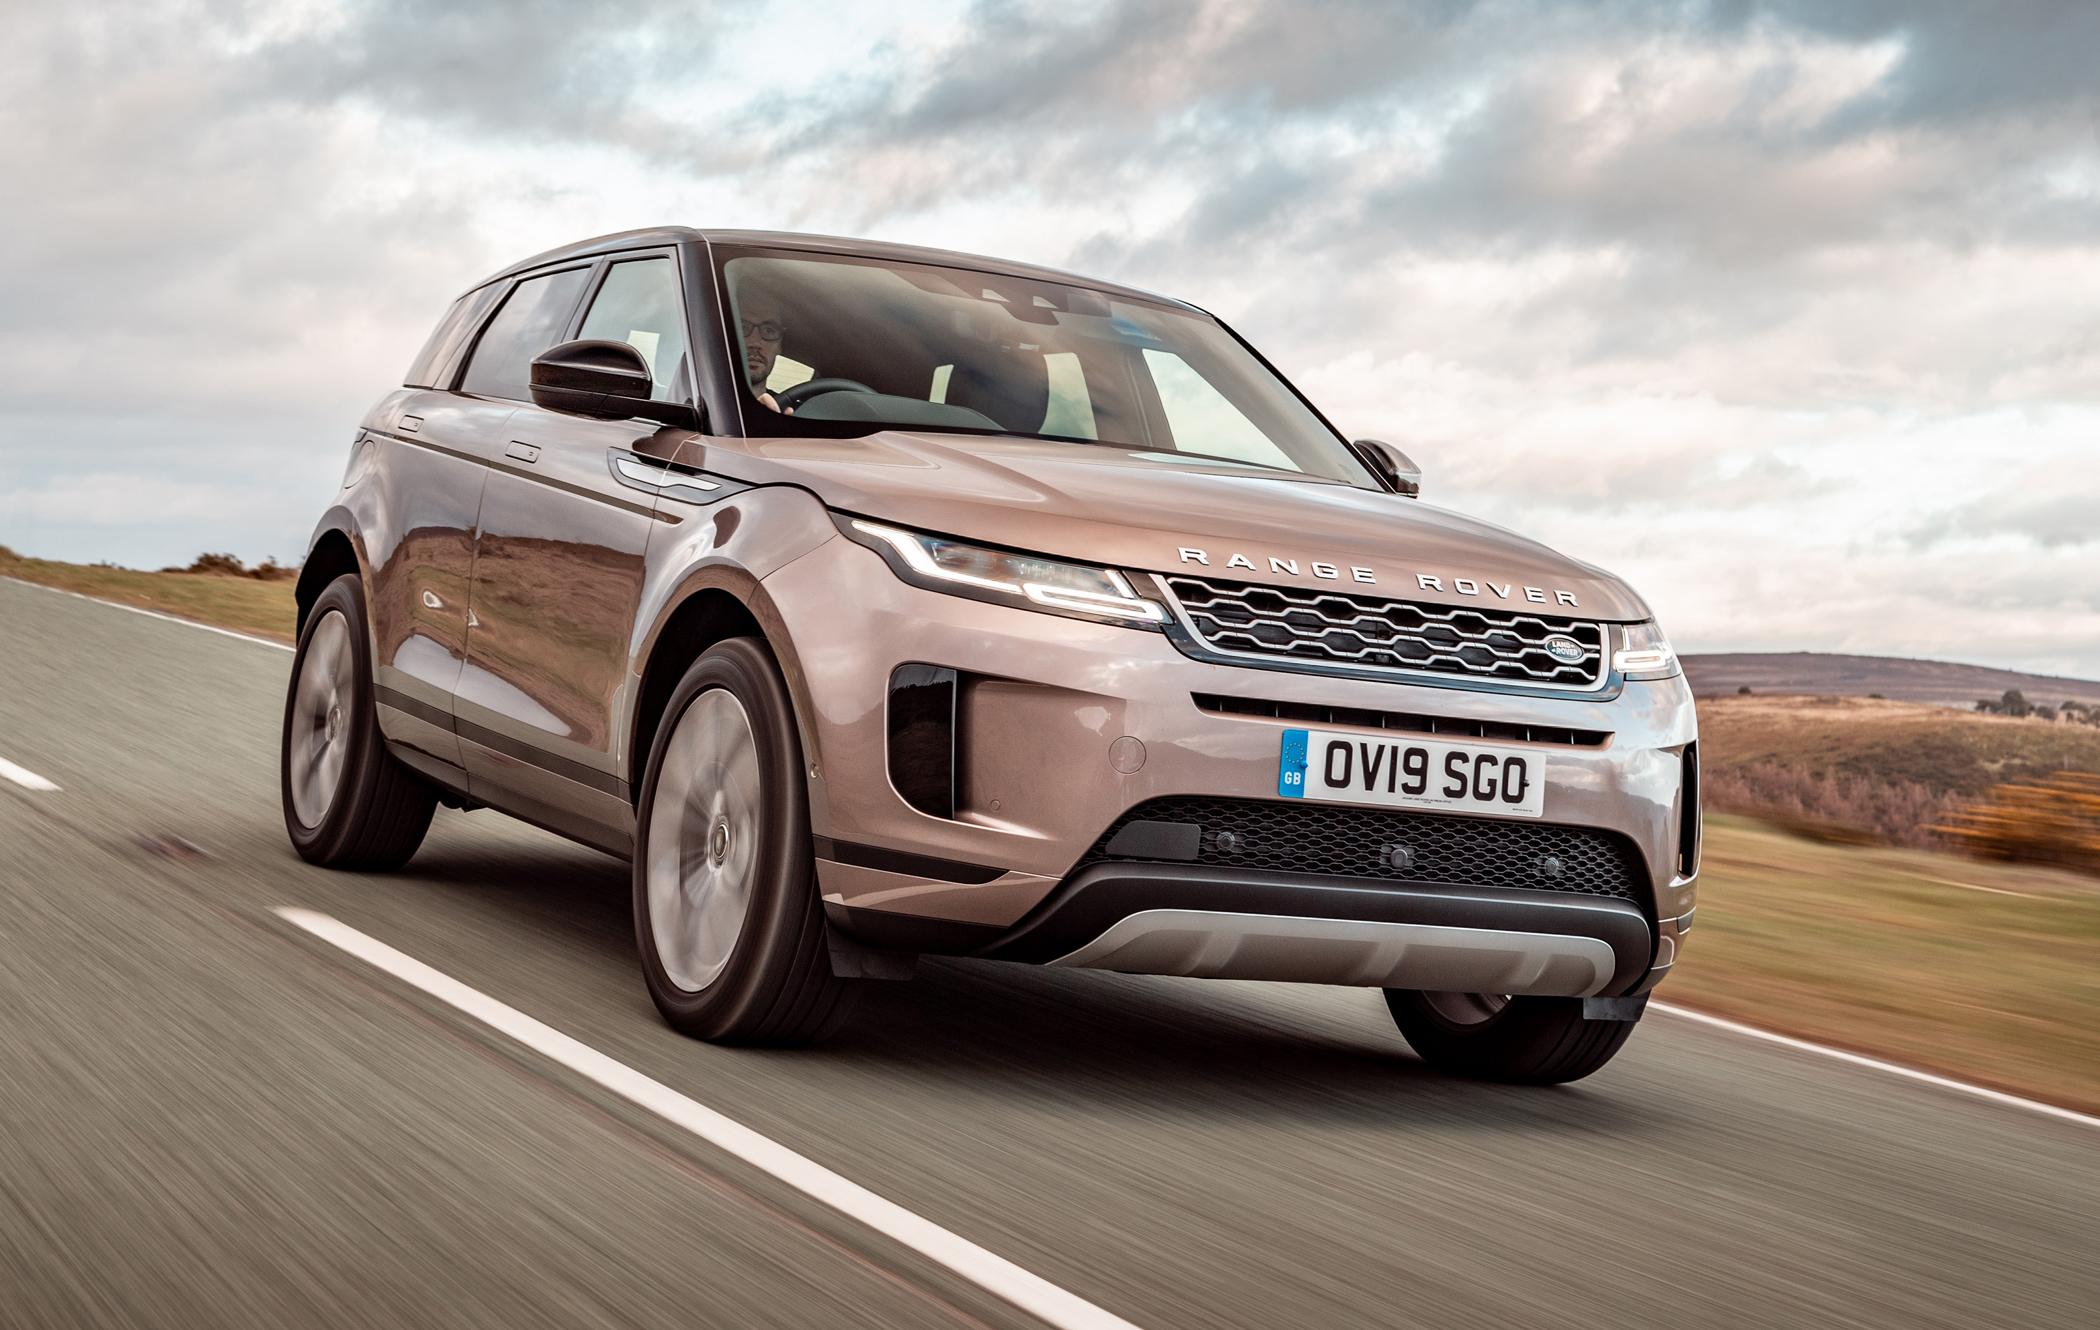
(2055,820)
(1834,808)
(227,565)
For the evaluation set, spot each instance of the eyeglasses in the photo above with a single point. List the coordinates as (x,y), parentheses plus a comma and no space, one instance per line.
(769,330)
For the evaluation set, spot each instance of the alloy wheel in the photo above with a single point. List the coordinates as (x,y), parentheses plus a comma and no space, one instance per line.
(703,839)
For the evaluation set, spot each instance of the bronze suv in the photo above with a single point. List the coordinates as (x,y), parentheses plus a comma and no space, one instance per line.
(878,601)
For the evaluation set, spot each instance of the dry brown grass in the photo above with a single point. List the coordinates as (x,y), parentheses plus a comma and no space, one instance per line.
(1985,971)
(245,603)
(1938,748)
(1859,768)
(2050,821)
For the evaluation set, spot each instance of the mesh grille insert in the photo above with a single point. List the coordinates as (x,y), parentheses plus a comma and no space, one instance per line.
(1366,632)
(1288,836)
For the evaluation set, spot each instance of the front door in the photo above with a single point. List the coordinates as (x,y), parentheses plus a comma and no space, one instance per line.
(558,578)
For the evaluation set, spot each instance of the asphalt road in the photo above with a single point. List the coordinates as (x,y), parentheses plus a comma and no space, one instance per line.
(210,1117)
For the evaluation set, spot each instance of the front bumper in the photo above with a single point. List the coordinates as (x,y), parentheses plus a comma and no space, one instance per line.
(1062,725)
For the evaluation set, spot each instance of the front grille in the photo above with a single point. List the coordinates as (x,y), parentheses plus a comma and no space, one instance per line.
(1364,632)
(1293,837)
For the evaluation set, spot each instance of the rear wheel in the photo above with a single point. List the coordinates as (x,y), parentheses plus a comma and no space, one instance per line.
(348,803)
(1487,1036)
(726,913)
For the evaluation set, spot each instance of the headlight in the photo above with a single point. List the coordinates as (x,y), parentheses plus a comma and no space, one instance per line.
(1644,653)
(1027,581)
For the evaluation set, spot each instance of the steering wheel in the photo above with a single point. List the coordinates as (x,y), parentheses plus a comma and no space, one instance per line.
(802,392)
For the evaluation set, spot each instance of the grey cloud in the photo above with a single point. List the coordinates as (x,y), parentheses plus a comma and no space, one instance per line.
(236,227)
(500,68)
(2057,512)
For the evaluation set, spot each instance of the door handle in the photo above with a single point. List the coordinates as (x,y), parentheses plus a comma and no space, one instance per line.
(524,452)
(659,478)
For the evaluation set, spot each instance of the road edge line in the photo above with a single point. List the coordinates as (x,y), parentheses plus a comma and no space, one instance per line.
(995,1274)
(151,614)
(26,778)
(1878,1064)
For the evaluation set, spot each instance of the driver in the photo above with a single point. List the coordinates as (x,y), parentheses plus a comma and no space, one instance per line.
(763,331)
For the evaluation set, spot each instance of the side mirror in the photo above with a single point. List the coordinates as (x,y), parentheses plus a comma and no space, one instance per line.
(605,379)
(1394,469)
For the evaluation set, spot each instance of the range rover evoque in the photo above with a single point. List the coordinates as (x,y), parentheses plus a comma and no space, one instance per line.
(878,601)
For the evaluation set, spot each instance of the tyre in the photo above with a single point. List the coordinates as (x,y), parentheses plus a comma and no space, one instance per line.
(348,803)
(726,912)
(1524,1040)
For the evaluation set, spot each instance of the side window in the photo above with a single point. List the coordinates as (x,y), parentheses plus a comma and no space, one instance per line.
(433,367)
(640,304)
(1070,414)
(1202,419)
(529,322)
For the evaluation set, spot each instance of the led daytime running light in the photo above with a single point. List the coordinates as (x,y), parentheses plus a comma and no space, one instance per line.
(1120,601)
(1630,659)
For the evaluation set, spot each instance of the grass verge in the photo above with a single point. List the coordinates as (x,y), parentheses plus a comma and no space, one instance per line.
(1984,971)
(244,604)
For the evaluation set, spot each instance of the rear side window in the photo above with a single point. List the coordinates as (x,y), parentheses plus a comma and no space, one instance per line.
(530,321)
(433,367)
(639,304)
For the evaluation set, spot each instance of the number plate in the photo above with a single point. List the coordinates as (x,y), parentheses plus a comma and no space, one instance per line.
(1411,773)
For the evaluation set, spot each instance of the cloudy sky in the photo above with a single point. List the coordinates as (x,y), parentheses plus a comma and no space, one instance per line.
(1790,313)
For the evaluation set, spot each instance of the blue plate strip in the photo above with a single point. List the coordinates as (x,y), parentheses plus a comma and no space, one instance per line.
(1290,775)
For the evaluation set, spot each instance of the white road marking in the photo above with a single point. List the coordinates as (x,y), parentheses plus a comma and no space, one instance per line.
(1892,1068)
(152,614)
(1031,1293)
(1736,1027)
(24,777)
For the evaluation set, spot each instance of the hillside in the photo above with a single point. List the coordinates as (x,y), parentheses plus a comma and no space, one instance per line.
(1886,770)
(1958,753)
(1942,683)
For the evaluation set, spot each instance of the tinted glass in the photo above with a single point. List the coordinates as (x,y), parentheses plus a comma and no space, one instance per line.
(927,347)
(433,367)
(640,304)
(530,321)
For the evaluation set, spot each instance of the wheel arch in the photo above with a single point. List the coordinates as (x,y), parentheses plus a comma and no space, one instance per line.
(712,605)
(332,553)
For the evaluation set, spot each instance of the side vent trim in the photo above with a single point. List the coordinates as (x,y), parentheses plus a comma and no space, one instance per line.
(922,737)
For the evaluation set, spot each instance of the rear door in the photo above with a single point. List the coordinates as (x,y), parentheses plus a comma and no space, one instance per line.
(558,575)
(419,534)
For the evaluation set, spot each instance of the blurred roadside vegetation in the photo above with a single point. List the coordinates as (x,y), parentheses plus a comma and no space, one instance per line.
(1989,972)
(1830,907)
(217,589)
(1851,770)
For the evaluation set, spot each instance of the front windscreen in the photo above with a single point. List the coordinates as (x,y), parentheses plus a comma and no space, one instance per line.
(829,344)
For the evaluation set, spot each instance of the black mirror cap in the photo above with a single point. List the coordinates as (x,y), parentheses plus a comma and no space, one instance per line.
(605,379)
(1394,469)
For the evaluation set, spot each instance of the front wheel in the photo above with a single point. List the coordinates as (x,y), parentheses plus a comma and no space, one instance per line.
(726,912)
(1490,1037)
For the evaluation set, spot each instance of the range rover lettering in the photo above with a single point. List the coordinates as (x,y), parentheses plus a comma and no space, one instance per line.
(877,602)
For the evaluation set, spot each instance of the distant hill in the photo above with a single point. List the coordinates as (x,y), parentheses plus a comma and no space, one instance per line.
(1943,683)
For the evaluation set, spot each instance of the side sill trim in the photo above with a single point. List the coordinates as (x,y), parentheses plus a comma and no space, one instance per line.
(566,768)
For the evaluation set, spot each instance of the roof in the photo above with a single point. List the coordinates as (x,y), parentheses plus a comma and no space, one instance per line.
(659,236)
